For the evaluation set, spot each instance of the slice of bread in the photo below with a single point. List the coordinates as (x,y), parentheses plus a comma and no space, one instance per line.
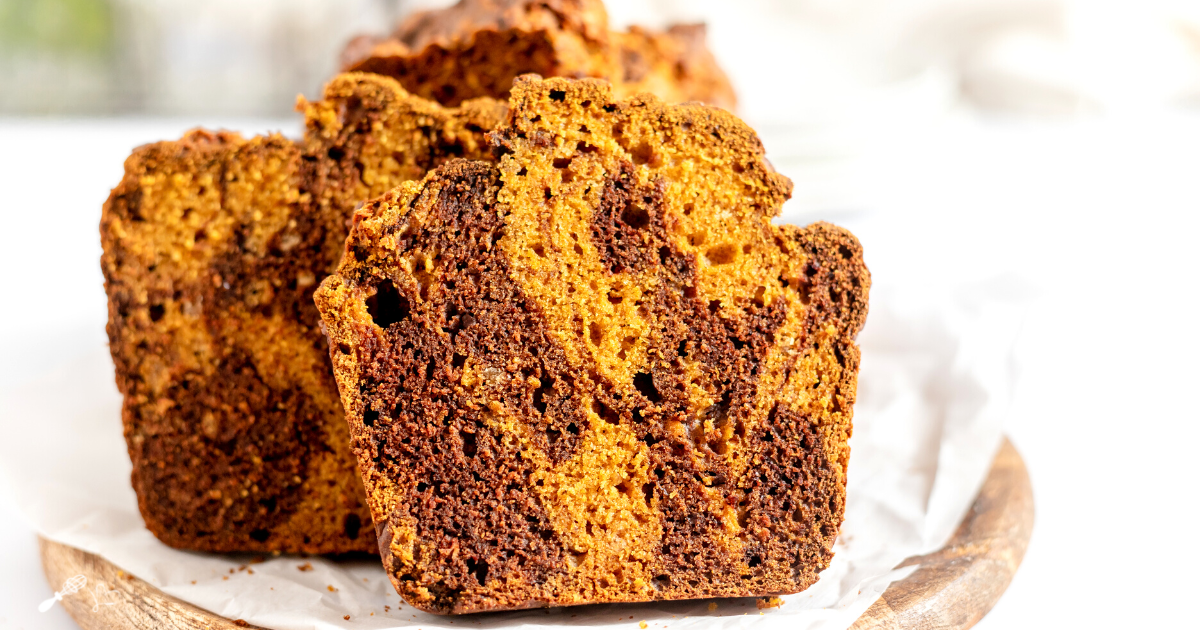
(478,47)
(213,246)
(595,371)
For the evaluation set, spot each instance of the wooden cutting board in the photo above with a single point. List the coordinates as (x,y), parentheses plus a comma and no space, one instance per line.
(953,588)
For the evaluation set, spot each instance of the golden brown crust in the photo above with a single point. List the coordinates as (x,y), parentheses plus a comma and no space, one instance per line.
(674,65)
(213,246)
(595,371)
(586,18)
(478,47)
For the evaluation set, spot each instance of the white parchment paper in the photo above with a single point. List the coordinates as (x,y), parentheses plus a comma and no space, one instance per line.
(933,390)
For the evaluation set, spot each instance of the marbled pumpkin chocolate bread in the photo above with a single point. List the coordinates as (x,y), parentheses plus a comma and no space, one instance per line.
(595,371)
(213,246)
(477,47)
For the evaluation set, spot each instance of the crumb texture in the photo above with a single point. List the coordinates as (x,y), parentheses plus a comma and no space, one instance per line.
(595,371)
(213,246)
(479,47)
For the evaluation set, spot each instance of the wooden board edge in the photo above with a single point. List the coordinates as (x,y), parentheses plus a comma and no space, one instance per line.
(955,587)
(111,599)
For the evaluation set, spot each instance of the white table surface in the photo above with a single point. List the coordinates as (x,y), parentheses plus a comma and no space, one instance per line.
(1096,219)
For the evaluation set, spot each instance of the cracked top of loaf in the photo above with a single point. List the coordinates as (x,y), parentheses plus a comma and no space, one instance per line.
(478,47)
(595,371)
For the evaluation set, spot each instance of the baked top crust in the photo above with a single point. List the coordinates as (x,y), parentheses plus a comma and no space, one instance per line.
(478,47)
(595,371)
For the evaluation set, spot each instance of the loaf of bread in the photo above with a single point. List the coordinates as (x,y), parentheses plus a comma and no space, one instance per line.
(213,246)
(595,371)
(477,47)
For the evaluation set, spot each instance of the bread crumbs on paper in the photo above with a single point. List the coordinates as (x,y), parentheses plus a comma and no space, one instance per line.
(331,588)
(307,566)
(642,625)
(768,602)
(347,617)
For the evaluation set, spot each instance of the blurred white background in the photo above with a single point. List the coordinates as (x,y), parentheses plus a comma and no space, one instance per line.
(1045,151)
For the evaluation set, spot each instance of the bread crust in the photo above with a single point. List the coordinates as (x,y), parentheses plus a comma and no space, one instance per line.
(478,47)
